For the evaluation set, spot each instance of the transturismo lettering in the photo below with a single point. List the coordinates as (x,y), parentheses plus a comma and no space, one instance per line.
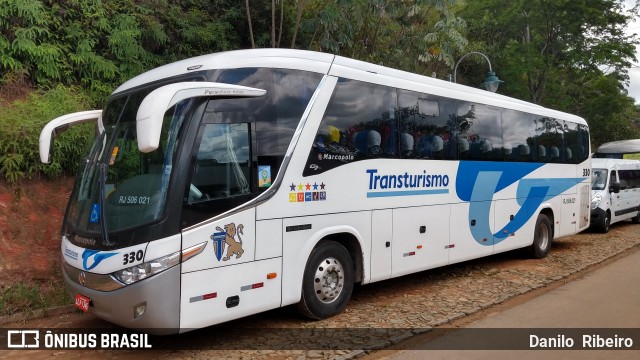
(406,180)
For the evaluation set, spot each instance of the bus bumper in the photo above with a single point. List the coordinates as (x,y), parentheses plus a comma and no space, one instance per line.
(160,295)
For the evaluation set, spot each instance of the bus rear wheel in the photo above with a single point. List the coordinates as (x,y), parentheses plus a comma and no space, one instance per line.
(327,281)
(542,237)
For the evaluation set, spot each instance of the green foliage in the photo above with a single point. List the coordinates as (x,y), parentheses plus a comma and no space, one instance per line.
(21,297)
(418,36)
(20,126)
(100,44)
(567,55)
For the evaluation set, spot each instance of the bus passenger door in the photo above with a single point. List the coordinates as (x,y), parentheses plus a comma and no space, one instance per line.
(229,278)
(381,244)
(420,238)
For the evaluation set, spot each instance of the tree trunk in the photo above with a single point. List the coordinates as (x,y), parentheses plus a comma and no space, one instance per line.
(295,29)
(253,44)
(281,21)
(273,23)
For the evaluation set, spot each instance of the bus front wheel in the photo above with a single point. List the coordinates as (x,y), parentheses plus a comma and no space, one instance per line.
(636,219)
(605,223)
(327,281)
(542,237)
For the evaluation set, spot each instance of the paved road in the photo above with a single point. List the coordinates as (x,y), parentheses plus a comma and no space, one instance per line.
(608,297)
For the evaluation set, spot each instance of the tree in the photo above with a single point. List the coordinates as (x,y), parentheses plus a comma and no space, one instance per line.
(101,44)
(570,55)
(253,43)
(418,36)
(537,41)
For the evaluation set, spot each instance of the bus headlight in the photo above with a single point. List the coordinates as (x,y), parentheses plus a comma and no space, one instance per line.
(595,201)
(138,272)
(141,271)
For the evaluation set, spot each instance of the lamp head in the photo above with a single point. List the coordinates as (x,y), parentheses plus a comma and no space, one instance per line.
(491,82)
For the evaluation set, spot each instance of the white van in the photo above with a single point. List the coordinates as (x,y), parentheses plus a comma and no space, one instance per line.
(615,192)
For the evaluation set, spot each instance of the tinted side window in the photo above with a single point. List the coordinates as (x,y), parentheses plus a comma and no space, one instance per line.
(550,135)
(479,132)
(360,123)
(576,143)
(521,137)
(277,114)
(426,125)
(543,139)
(222,163)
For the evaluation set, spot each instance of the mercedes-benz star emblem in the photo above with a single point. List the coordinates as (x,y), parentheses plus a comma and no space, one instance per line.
(82,278)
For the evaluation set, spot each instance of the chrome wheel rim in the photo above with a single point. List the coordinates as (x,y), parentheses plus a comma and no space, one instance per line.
(543,236)
(328,280)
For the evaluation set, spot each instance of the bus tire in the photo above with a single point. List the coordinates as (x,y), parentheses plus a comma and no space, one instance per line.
(542,237)
(605,223)
(636,219)
(327,281)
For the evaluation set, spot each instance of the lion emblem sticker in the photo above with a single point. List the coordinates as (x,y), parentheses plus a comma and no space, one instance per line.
(225,239)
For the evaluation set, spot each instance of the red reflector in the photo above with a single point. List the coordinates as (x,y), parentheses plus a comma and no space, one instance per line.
(209,296)
(257,285)
(412,253)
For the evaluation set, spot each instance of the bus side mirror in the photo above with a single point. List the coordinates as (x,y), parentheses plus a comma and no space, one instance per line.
(59,125)
(614,187)
(154,106)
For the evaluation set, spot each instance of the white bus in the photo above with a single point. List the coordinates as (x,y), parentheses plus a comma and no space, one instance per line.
(233,183)
(618,149)
(615,191)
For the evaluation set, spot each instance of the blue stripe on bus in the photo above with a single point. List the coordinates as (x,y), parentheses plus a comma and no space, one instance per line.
(477,182)
(406,193)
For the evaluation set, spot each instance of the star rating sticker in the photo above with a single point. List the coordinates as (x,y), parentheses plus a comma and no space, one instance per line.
(300,186)
(315,186)
(308,186)
(293,187)
(322,186)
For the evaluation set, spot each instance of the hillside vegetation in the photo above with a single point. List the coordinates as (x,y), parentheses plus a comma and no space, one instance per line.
(69,55)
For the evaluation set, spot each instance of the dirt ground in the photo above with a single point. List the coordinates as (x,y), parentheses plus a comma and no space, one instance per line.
(30,221)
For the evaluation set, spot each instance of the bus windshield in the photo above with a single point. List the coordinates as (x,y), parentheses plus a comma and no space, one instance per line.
(119,187)
(599,179)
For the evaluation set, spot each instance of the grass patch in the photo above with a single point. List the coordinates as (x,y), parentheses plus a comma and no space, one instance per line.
(21,297)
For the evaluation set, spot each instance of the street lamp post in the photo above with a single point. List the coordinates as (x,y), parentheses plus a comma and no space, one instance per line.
(491,81)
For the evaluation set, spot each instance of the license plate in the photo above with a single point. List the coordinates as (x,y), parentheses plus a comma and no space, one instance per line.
(82,302)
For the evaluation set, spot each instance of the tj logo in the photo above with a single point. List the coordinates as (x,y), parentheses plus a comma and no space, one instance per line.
(477,182)
(226,238)
(97,258)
